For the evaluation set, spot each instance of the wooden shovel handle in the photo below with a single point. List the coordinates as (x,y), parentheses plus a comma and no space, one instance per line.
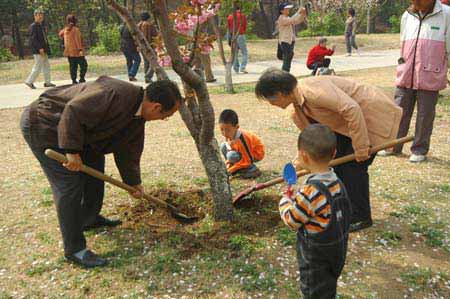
(101,176)
(346,159)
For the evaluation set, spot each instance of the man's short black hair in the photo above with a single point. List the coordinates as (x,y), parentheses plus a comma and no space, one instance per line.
(318,141)
(229,116)
(145,16)
(165,92)
(352,12)
(274,81)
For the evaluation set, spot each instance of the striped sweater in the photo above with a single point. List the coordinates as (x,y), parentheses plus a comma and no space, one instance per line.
(310,209)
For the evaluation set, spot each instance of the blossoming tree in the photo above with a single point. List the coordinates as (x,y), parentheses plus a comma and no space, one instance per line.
(197,112)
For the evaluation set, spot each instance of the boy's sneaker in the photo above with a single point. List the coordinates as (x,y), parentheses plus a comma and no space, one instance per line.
(49,84)
(417,158)
(244,71)
(30,85)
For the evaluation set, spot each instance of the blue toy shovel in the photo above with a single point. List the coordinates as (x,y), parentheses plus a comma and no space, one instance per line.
(290,177)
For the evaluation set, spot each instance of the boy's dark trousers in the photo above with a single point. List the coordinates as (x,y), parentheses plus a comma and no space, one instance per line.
(320,267)
(78,197)
(74,62)
(355,177)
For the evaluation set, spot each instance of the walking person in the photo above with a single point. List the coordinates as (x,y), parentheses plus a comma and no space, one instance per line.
(73,49)
(241,41)
(350,32)
(150,32)
(286,33)
(422,71)
(41,50)
(130,50)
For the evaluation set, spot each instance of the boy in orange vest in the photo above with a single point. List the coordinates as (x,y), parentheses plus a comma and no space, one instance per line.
(242,149)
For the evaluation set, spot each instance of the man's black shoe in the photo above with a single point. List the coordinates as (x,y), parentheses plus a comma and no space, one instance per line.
(89,260)
(49,85)
(82,80)
(101,221)
(30,85)
(357,226)
(211,80)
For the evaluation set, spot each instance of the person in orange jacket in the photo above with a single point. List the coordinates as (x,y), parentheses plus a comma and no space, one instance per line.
(242,149)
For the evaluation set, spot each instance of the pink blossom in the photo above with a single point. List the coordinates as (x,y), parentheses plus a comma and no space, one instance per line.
(194,2)
(184,27)
(186,58)
(165,61)
(206,49)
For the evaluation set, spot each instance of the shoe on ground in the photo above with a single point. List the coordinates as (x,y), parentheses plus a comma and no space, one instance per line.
(82,80)
(101,221)
(385,153)
(244,71)
(132,79)
(417,158)
(74,82)
(348,54)
(211,80)
(360,225)
(148,81)
(89,260)
(30,85)
(49,85)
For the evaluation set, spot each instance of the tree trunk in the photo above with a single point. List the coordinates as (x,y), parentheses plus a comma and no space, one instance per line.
(229,77)
(265,20)
(17,37)
(368,20)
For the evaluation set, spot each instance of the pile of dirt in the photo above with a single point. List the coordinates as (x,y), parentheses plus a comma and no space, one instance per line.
(195,203)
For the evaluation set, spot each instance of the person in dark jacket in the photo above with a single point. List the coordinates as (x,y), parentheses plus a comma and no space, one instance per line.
(130,50)
(41,50)
(150,32)
(86,122)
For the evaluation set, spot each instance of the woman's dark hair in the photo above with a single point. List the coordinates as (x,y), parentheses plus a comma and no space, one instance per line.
(145,16)
(164,92)
(71,20)
(352,12)
(229,116)
(274,81)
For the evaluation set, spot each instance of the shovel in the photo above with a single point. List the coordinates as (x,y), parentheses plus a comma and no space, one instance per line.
(182,218)
(303,172)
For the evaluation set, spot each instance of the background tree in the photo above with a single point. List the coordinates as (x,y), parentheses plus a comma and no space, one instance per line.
(197,113)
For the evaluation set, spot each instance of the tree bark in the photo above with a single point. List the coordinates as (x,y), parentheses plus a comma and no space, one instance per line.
(198,115)
(227,64)
(17,37)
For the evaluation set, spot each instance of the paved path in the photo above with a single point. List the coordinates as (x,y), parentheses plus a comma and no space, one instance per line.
(19,95)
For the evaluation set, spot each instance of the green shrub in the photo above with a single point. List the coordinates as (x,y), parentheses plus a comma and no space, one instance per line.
(331,24)
(395,24)
(108,39)
(5,55)
(56,47)
(99,50)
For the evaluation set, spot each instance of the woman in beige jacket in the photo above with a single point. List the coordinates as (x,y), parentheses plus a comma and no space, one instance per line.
(286,33)
(361,115)
(73,49)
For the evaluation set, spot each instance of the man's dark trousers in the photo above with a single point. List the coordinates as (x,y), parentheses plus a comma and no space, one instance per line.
(316,65)
(288,54)
(78,197)
(355,177)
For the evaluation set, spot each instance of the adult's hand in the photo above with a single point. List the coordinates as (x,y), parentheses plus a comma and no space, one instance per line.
(302,11)
(42,52)
(74,162)
(362,156)
(139,193)
(333,47)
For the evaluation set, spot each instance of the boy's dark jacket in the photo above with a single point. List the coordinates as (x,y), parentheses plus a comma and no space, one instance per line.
(99,115)
(38,38)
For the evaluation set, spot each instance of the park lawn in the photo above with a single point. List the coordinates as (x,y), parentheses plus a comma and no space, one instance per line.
(259,50)
(405,255)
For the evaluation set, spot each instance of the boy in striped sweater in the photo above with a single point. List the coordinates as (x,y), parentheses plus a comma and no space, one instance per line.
(320,212)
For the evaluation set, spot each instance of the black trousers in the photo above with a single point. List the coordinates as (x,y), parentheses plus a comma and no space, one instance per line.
(287,51)
(78,197)
(320,268)
(316,65)
(74,62)
(355,177)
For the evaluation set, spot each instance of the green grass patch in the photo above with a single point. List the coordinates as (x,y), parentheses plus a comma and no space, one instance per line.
(286,236)
(422,279)
(389,238)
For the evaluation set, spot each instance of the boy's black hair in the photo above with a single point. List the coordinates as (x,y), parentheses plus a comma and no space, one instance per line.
(165,92)
(229,116)
(318,141)
(274,81)
(352,11)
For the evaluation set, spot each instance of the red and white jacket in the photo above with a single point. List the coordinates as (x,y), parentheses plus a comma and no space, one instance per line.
(425,43)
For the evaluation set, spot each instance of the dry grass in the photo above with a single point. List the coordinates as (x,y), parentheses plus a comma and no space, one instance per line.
(406,253)
(259,50)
